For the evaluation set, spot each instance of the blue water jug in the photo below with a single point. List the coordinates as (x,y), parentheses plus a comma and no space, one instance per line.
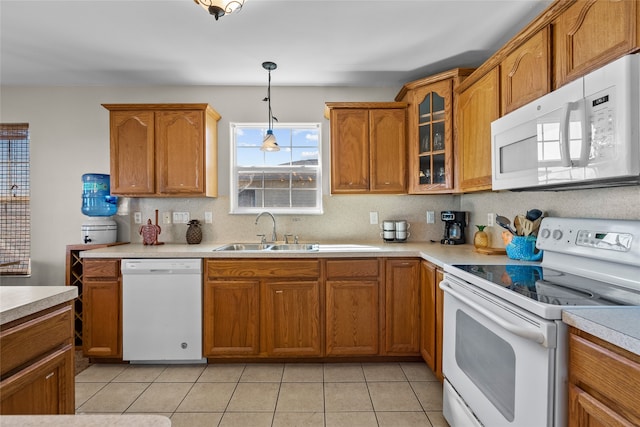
(96,197)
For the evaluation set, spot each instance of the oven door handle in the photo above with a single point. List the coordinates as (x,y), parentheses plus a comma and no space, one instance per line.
(528,333)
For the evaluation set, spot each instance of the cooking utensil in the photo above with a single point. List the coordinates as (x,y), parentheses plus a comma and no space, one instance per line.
(518,223)
(527,227)
(505,223)
(533,214)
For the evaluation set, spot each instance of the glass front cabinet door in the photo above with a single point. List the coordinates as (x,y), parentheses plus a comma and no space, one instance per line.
(431,145)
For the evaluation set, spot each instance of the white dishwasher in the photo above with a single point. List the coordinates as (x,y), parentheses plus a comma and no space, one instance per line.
(162,310)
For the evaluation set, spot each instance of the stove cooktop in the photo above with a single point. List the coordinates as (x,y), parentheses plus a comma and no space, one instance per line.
(551,287)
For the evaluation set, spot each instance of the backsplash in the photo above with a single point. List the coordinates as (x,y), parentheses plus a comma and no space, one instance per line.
(347,217)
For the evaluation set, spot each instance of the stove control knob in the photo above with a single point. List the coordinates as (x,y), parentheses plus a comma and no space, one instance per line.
(545,233)
(557,234)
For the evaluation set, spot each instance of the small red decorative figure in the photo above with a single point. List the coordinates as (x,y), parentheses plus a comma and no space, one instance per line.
(150,233)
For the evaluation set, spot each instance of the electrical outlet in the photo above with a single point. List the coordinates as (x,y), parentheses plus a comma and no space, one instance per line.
(431,217)
(373,217)
(166,217)
(490,219)
(208,217)
(137,217)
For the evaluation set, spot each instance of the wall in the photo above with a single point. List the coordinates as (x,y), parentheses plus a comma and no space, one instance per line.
(70,137)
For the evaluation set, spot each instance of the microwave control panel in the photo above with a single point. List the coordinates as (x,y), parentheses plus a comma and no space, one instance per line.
(601,119)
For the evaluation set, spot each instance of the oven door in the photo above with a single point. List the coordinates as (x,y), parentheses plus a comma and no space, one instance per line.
(498,360)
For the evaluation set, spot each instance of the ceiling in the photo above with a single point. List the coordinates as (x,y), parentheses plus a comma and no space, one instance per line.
(314,42)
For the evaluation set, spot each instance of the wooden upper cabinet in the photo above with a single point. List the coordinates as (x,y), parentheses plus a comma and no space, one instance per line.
(387,150)
(367,147)
(526,72)
(431,134)
(132,152)
(163,150)
(478,106)
(592,33)
(349,151)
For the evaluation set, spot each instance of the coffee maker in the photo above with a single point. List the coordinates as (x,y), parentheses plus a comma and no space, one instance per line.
(454,225)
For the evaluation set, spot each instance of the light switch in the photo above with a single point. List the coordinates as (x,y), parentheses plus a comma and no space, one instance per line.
(431,217)
(373,217)
(208,217)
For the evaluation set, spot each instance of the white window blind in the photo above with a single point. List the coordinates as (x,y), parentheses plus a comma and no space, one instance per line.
(15,212)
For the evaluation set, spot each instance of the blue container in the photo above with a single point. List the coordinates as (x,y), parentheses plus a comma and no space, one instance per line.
(96,197)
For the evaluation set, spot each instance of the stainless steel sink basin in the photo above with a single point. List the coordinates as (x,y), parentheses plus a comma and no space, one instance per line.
(245,247)
(298,247)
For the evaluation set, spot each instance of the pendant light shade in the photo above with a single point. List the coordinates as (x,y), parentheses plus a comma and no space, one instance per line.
(269,143)
(219,8)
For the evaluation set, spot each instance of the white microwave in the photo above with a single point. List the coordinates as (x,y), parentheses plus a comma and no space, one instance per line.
(582,135)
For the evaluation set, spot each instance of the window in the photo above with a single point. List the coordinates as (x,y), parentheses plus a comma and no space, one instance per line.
(285,181)
(15,213)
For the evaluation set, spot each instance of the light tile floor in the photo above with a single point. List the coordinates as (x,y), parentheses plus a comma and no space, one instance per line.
(270,395)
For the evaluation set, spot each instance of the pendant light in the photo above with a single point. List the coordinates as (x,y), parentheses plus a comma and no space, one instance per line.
(219,8)
(269,143)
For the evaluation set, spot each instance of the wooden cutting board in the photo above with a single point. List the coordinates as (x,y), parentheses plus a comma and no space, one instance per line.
(491,251)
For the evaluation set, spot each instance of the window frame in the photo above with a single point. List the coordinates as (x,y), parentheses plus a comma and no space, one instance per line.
(235,169)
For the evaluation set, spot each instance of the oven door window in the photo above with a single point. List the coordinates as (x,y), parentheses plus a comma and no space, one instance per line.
(488,361)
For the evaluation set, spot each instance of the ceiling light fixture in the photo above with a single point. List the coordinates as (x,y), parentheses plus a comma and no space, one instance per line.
(219,8)
(269,143)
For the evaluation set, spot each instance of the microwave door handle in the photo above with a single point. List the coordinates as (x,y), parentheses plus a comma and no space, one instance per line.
(527,333)
(585,146)
(565,151)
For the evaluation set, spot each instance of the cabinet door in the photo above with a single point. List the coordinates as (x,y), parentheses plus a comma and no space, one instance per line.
(587,411)
(402,307)
(428,313)
(352,317)
(46,387)
(431,147)
(526,72)
(180,152)
(387,150)
(439,323)
(478,106)
(231,318)
(291,322)
(592,33)
(132,152)
(102,311)
(349,150)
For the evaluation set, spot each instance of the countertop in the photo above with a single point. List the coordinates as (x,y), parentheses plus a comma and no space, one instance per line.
(433,252)
(20,301)
(618,325)
(85,421)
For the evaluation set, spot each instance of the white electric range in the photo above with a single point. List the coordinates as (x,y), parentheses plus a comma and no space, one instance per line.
(505,346)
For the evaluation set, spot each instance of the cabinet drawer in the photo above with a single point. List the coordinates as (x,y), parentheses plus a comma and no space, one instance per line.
(101,269)
(284,268)
(344,268)
(34,338)
(613,376)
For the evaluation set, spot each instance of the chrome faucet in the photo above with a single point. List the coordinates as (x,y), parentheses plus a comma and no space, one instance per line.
(274,236)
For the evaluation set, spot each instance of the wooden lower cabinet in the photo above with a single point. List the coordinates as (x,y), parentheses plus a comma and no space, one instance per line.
(291,324)
(402,307)
(352,307)
(439,323)
(603,383)
(102,311)
(231,318)
(262,308)
(37,364)
(428,313)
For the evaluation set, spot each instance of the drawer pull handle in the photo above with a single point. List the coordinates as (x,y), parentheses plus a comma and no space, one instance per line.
(49,376)
(279,292)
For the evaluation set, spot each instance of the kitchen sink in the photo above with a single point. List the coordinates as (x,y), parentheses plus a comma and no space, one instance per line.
(245,247)
(295,247)
(261,247)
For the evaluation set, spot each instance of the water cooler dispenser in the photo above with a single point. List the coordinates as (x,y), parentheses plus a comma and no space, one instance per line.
(98,205)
